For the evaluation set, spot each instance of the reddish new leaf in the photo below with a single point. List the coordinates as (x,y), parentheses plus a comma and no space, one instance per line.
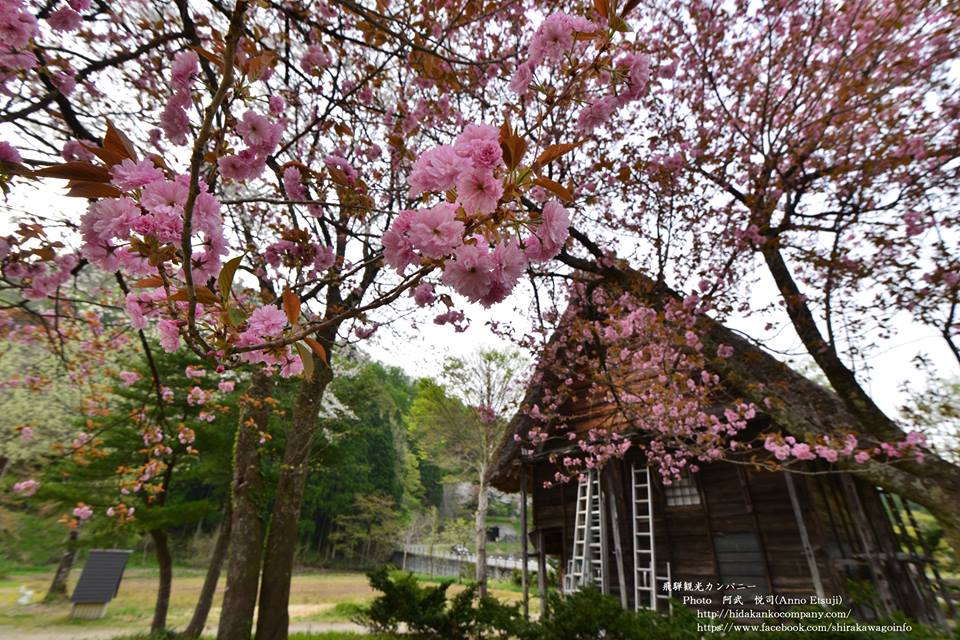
(556,188)
(317,348)
(83,189)
(553,152)
(291,306)
(75,170)
(151,282)
(601,7)
(202,294)
(115,141)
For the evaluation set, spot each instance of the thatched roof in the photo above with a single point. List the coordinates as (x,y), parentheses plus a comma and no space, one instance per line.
(799,405)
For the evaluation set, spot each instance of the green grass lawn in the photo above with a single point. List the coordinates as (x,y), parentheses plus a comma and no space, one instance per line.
(316,599)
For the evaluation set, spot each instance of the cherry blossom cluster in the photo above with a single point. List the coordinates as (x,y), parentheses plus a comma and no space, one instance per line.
(648,367)
(174,120)
(833,449)
(477,240)
(17,28)
(261,135)
(121,513)
(33,263)
(557,42)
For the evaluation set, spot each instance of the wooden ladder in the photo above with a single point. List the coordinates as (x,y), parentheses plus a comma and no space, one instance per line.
(589,536)
(644,546)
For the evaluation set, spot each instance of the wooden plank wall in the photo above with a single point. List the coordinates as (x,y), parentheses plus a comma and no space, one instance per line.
(745,528)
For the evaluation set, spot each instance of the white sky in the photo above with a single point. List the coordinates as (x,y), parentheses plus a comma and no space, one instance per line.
(421,352)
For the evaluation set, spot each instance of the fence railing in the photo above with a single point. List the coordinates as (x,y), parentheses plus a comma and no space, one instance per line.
(445,552)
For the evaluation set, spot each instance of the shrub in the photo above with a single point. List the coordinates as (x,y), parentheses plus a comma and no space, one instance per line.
(587,615)
(584,615)
(425,611)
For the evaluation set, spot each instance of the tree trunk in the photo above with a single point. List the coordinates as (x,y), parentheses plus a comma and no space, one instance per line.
(273,618)
(246,528)
(209,589)
(165,562)
(58,588)
(935,484)
(483,503)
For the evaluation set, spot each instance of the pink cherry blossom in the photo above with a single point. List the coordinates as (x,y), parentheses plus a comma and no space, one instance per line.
(637,68)
(266,322)
(486,154)
(194,372)
(169,335)
(398,249)
(454,317)
(276,105)
(291,366)
(520,81)
(186,64)
(555,36)
(226,386)
(129,377)
(550,236)
(26,488)
(364,331)
(17,26)
(509,264)
(259,134)
(473,134)
(130,175)
(174,119)
(340,163)
(293,185)
(83,512)
(478,191)
(423,294)
(435,232)
(315,60)
(436,170)
(197,396)
(165,196)
(245,165)
(8,153)
(596,114)
(73,150)
(65,81)
(472,271)
(64,19)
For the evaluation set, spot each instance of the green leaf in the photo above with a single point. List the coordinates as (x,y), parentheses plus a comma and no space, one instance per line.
(307,358)
(235,316)
(227,274)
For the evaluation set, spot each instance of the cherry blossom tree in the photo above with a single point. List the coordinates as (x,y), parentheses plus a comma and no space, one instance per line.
(808,145)
(267,179)
(278,156)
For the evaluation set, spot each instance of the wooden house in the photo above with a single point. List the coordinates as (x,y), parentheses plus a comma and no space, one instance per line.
(776,539)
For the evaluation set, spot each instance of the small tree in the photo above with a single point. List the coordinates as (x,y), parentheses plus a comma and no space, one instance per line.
(123,469)
(463,428)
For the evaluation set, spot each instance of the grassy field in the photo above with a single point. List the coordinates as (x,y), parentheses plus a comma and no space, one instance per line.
(318,602)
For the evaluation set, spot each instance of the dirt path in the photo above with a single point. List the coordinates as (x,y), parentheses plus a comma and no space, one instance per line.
(104,633)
